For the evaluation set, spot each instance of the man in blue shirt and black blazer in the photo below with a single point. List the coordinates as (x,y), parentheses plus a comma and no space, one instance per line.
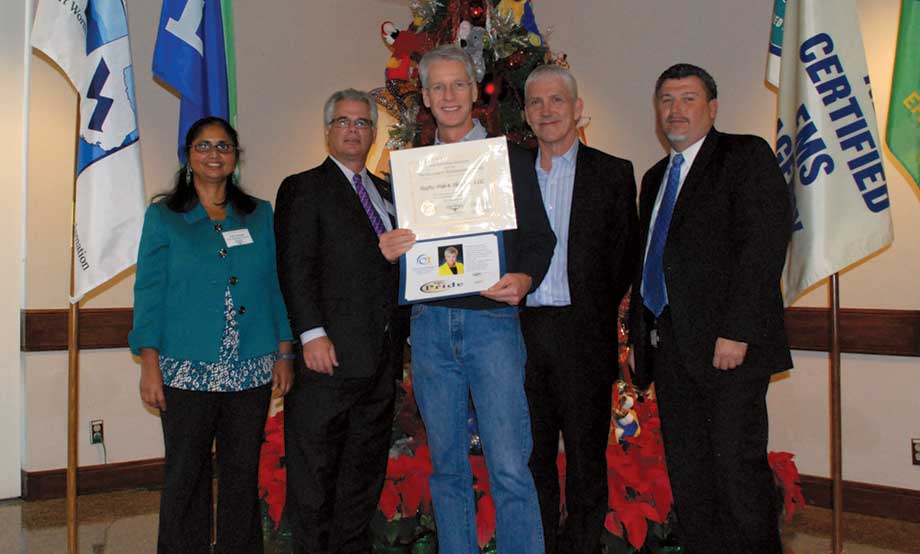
(570,320)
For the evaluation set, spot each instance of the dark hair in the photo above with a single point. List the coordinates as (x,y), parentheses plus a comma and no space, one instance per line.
(684,70)
(183,197)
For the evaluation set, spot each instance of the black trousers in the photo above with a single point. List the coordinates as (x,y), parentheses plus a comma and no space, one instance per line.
(568,385)
(191,423)
(337,437)
(715,436)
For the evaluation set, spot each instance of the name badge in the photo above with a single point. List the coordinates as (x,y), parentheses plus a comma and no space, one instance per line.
(237,237)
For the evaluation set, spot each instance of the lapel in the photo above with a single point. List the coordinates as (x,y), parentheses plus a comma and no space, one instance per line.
(582,187)
(650,185)
(386,192)
(695,178)
(346,197)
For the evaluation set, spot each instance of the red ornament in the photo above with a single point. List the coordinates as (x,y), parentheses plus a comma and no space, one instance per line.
(489,89)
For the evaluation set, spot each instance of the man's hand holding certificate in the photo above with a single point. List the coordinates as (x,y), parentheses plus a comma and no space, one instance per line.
(452,201)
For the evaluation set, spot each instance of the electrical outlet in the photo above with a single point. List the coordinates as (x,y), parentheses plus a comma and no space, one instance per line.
(915,451)
(96,432)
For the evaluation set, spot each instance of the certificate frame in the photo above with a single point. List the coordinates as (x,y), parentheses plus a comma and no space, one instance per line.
(452,190)
(421,275)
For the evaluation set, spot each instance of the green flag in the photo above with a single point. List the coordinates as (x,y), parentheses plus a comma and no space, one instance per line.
(903,135)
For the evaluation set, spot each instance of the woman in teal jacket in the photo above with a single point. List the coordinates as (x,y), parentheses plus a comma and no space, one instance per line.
(213,336)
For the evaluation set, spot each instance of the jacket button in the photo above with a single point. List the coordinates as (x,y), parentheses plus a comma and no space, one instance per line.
(234,280)
(242,310)
(218,227)
(222,252)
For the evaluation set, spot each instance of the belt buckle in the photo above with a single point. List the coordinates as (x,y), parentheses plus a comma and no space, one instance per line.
(654,339)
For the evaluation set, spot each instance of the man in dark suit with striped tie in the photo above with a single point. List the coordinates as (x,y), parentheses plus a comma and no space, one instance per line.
(706,318)
(341,298)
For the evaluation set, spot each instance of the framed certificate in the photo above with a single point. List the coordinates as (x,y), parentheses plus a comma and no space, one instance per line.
(456,189)
(449,267)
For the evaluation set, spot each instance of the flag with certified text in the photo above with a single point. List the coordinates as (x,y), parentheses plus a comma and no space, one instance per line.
(827,143)
(194,55)
(88,39)
(903,133)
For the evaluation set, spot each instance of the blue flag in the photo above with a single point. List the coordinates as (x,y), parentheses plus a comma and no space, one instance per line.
(194,55)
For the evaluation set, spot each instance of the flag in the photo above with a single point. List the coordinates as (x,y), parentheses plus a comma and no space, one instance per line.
(194,55)
(903,134)
(775,52)
(827,144)
(88,39)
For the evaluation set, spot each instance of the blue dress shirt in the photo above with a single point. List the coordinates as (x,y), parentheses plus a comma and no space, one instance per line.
(557,186)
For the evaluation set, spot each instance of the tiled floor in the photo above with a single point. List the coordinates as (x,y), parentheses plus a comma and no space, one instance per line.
(125,523)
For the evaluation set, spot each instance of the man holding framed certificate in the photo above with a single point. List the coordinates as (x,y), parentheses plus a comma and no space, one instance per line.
(472,344)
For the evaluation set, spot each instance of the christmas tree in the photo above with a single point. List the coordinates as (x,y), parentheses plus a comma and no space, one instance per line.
(505,44)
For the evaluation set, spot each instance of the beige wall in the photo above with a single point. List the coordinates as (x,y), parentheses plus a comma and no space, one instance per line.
(14,61)
(291,57)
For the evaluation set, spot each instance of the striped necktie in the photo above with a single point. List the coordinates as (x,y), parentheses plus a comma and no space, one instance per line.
(372,214)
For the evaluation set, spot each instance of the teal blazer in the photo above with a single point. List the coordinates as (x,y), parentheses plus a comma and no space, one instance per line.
(184,267)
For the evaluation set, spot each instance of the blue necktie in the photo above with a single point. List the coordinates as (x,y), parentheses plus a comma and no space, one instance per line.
(655,295)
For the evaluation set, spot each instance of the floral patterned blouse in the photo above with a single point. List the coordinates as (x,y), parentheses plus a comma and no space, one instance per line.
(229,373)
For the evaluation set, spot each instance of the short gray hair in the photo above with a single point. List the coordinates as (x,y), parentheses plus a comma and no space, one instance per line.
(552,70)
(349,94)
(445,52)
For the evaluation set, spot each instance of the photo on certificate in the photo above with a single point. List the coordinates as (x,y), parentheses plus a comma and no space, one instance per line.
(451,258)
(446,268)
(454,189)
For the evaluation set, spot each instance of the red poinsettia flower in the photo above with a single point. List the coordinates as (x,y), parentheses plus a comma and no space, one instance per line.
(485,520)
(560,463)
(786,476)
(389,500)
(413,487)
(272,474)
(634,516)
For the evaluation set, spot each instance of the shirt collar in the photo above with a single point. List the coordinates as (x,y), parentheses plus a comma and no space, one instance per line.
(568,157)
(689,153)
(476,133)
(349,174)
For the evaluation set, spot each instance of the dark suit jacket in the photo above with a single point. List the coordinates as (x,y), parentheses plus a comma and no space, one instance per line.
(601,251)
(332,273)
(723,258)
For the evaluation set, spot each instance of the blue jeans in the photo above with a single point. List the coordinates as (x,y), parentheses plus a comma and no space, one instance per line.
(456,352)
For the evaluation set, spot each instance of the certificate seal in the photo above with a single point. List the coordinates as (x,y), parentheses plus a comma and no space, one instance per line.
(427,208)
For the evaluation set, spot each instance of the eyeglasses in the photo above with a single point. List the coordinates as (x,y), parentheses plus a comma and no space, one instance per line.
(204,147)
(457,87)
(344,123)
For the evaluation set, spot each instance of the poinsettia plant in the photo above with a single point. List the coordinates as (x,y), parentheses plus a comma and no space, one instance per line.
(272,474)
(639,498)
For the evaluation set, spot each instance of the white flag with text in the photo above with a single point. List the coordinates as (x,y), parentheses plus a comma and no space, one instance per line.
(827,142)
(88,39)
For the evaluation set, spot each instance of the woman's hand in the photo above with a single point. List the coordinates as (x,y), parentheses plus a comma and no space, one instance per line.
(283,371)
(151,384)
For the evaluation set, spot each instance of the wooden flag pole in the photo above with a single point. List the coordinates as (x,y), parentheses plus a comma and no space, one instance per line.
(836,428)
(73,386)
(73,399)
